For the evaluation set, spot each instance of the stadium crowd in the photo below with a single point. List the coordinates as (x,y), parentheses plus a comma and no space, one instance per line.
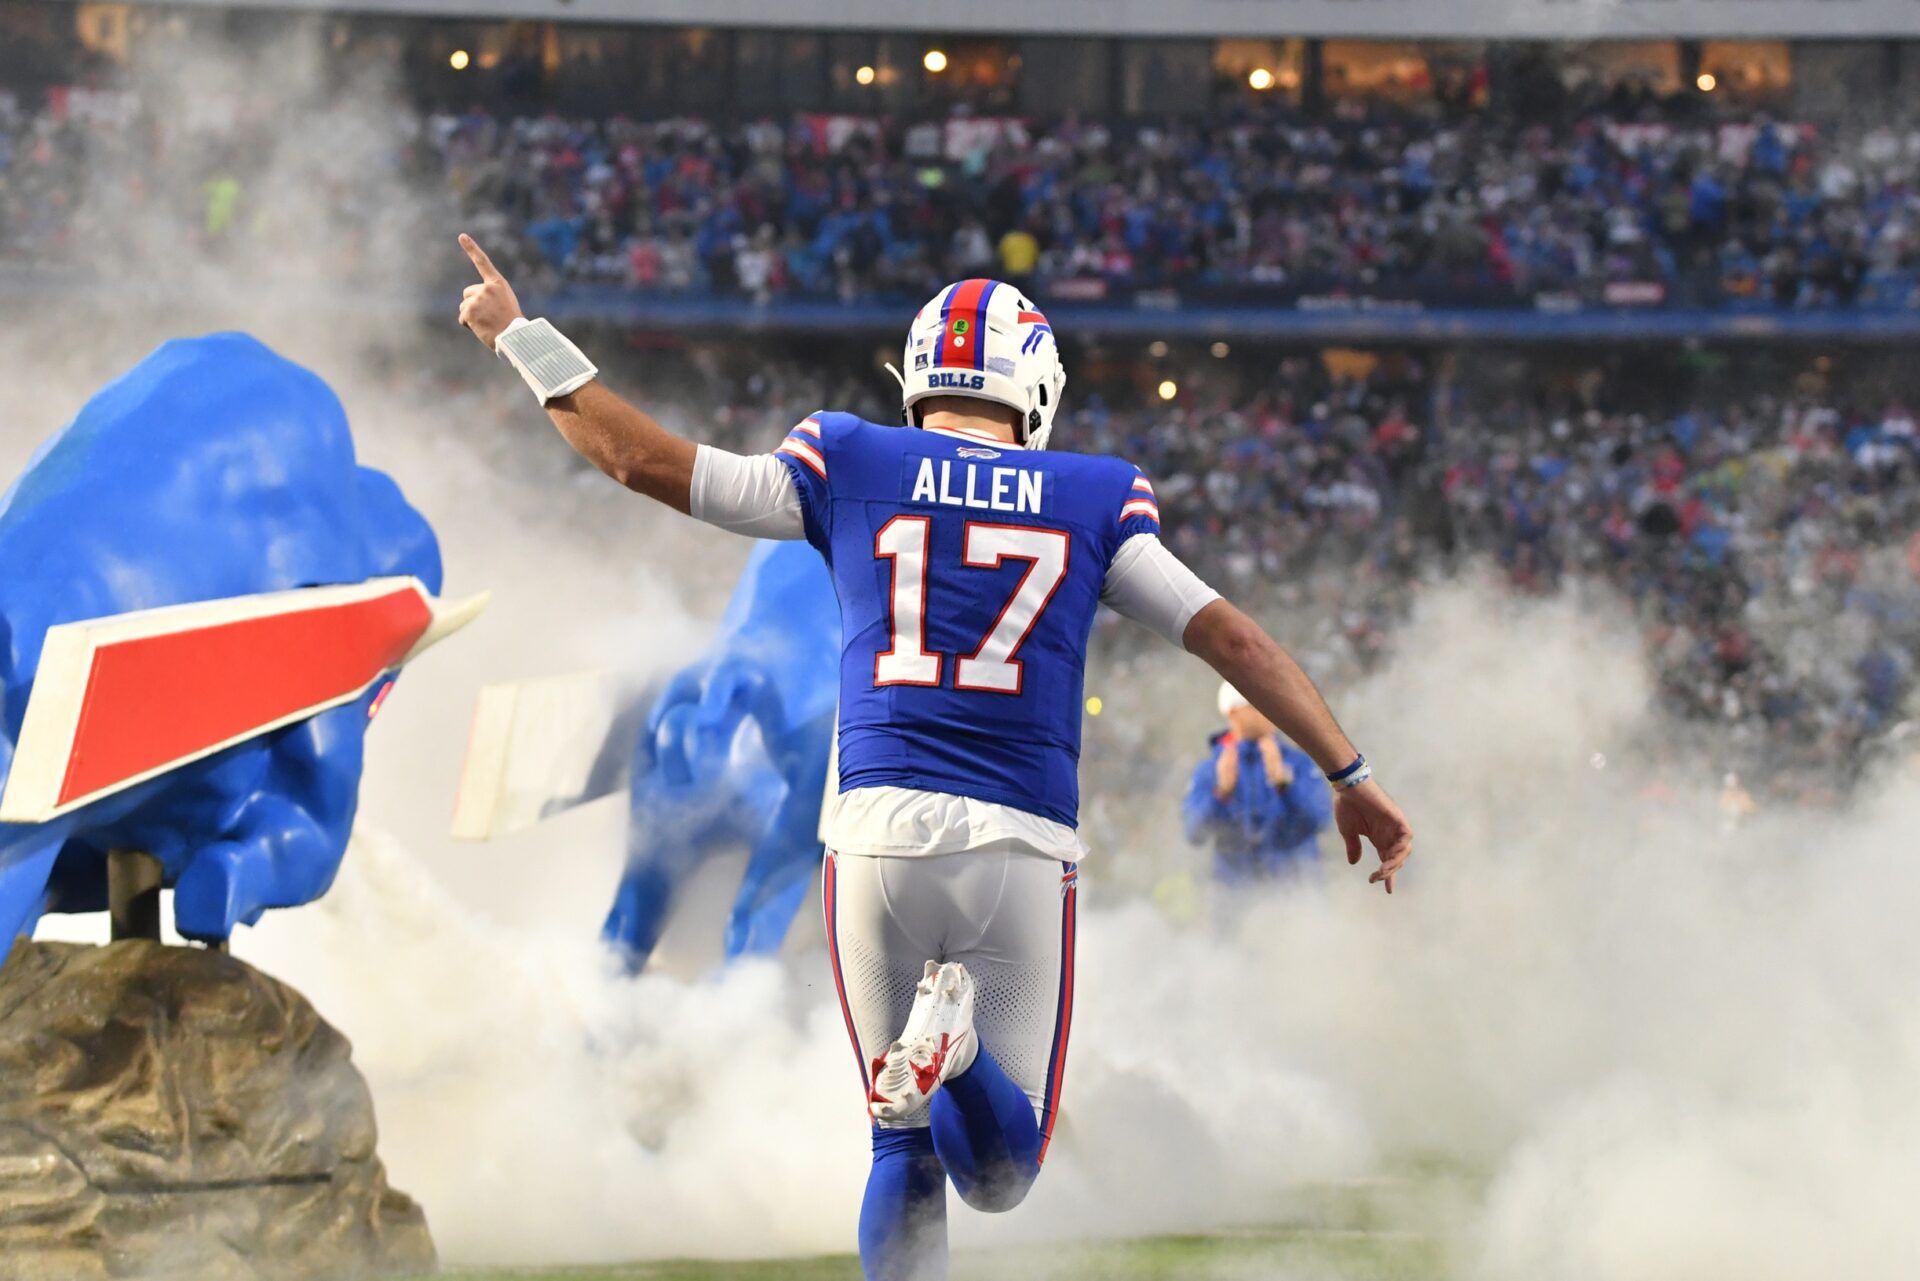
(1476,206)
(1360,199)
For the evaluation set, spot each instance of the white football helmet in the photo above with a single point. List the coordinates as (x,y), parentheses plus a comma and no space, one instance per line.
(985,338)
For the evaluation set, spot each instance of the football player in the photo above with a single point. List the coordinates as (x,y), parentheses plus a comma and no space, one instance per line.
(969,564)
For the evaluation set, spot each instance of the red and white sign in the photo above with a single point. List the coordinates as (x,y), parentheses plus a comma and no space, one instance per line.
(119,700)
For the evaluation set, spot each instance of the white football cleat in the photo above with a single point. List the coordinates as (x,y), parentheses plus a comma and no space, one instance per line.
(936,1044)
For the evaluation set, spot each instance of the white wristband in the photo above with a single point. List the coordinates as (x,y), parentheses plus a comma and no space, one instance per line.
(549,363)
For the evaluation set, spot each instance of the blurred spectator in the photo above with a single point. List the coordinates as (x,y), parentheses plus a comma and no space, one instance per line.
(1260,803)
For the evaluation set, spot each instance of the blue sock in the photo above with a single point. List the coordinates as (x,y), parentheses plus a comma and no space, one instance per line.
(984,1130)
(903,1221)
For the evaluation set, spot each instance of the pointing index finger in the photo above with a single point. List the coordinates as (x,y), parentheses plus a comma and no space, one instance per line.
(478,257)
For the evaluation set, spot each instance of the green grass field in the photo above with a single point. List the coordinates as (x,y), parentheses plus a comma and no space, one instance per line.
(1374,1230)
(1315,1254)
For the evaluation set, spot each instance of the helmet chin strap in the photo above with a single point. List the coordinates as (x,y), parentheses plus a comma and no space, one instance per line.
(906,411)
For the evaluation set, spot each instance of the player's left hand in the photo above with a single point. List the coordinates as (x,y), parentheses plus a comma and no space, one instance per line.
(1368,811)
(489,306)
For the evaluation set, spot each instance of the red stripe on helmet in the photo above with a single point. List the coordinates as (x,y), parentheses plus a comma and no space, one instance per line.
(966,309)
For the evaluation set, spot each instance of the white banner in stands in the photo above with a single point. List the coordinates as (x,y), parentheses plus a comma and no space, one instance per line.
(1390,19)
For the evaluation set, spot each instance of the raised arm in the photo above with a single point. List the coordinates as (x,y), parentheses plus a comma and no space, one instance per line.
(621,440)
(1255,664)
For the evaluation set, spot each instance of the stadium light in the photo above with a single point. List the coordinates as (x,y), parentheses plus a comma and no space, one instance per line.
(1707,82)
(864,75)
(1260,78)
(459,60)
(935,61)
(1169,389)
(1094,705)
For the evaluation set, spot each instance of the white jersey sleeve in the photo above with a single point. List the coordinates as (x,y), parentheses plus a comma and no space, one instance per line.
(1153,587)
(754,496)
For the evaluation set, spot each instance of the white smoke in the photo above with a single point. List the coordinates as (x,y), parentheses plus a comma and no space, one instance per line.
(1673,1051)
(1652,1047)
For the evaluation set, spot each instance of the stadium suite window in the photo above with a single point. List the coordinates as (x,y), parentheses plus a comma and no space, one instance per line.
(1165,77)
(605,70)
(1905,68)
(1404,70)
(869,73)
(981,74)
(584,65)
(695,78)
(1599,67)
(1829,78)
(1259,70)
(892,65)
(37,45)
(779,71)
(1059,76)
(1748,70)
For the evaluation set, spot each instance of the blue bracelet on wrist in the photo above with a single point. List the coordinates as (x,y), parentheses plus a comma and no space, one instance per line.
(1353,775)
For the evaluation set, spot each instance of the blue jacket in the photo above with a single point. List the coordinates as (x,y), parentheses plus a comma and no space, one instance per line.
(1260,830)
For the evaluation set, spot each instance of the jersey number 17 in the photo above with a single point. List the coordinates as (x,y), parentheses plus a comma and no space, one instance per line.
(994,666)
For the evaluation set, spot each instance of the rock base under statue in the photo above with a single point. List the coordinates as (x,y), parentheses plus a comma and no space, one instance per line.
(172,1112)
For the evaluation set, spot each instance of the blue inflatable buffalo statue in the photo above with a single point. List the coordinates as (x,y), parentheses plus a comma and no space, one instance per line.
(735,752)
(213,472)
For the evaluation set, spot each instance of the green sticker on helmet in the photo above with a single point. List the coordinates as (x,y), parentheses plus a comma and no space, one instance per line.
(960,326)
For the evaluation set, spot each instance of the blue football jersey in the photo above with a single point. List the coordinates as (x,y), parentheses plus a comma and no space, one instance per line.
(969,572)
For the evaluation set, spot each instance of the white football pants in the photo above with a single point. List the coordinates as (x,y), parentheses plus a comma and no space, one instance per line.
(1008,917)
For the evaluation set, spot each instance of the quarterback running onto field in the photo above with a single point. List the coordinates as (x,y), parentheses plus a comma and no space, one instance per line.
(969,566)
